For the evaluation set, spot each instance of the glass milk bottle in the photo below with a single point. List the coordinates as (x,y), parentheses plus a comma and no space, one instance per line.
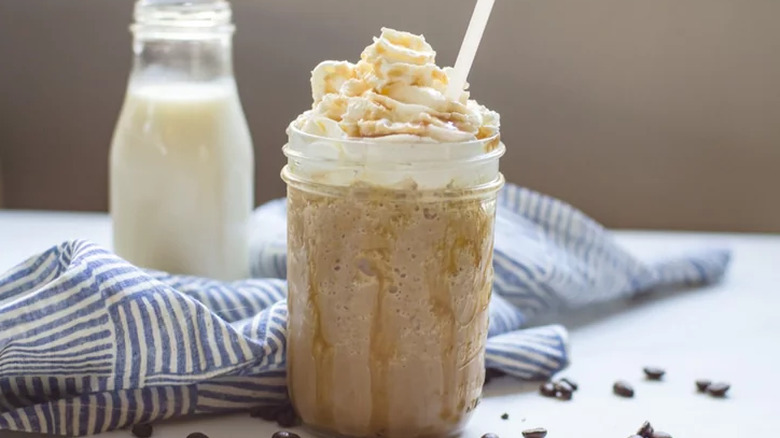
(182,165)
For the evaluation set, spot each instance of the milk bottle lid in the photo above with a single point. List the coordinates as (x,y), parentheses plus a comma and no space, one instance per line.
(183,13)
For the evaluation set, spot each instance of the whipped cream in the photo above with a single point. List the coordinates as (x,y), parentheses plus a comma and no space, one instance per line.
(395,93)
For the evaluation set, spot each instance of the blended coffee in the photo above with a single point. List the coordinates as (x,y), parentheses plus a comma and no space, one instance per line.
(391,209)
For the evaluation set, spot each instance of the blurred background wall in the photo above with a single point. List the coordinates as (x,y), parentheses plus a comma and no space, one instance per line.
(644,113)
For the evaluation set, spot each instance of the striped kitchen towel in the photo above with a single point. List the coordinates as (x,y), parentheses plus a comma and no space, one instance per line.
(90,343)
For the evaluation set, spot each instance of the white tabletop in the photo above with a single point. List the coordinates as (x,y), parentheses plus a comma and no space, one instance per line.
(726,332)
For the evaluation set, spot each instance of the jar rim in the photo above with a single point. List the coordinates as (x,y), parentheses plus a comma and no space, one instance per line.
(368,190)
(292,129)
(428,165)
(368,152)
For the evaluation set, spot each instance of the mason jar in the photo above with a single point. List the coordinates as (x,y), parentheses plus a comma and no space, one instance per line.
(390,250)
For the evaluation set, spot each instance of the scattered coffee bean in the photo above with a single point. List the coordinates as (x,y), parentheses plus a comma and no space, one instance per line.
(654,373)
(547,389)
(563,386)
(659,434)
(489,435)
(144,430)
(623,389)
(703,384)
(646,431)
(285,434)
(504,416)
(563,391)
(197,435)
(539,432)
(571,383)
(718,389)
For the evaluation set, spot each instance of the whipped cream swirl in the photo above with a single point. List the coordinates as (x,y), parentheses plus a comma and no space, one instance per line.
(396,93)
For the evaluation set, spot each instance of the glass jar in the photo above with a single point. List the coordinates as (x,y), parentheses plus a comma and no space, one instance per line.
(390,249)
(182,164)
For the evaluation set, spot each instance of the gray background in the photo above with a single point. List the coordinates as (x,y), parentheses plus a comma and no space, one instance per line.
(644,113)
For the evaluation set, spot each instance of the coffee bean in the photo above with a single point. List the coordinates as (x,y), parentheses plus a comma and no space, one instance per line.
(571,383)
(489,435)
(703,384)
(144,430)
(547,389)
(563,391)
(646,431)
(285,434)
(197,435)
(563,386)
(504,416)
(718,389)
(623,389)
(659,434)
(539,432)
(654,373)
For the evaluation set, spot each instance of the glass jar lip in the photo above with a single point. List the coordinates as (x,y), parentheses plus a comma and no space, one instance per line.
(367,190)
(294,130)
(367,152)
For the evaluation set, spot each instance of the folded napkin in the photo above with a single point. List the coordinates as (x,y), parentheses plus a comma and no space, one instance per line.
(90,343)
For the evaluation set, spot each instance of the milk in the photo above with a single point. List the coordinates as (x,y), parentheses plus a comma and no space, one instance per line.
(182,178)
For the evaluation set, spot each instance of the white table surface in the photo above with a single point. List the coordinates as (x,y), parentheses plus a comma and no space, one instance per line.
(729,332)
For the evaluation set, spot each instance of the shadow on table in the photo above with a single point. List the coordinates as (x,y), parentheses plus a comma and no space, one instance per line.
(573,319)
(507,385)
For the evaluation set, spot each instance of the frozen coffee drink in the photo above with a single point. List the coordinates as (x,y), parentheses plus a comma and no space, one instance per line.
(391,207)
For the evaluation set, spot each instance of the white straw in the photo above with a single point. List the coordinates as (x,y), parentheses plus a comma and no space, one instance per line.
(468,51)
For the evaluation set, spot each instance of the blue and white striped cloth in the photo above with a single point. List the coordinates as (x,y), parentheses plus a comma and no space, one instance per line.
(90,343)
